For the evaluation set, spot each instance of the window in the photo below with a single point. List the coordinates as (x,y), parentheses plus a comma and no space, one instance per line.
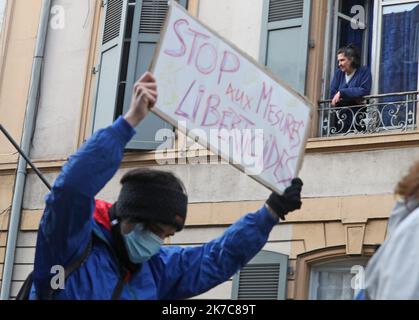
(130,34)
(346,31)
(335,280)
(264,277)
(389,41)
(398,71)
(284,41)
(388,36)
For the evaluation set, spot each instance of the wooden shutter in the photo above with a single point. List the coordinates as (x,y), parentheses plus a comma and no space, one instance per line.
(263,278)
(110,62)
(149,18)
(284,45)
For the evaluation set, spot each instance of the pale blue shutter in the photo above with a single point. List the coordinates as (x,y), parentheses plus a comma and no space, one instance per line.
(263,278)
(284,42)
(149,18)
(110,62)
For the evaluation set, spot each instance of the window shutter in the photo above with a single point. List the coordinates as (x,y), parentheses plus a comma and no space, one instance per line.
(110,61)
(284,45)
(149,18)
(263,278)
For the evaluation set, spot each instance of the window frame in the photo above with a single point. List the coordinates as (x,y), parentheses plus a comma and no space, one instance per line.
(331,34)
(308,259)
(333,16)
(376,38)
(334,265)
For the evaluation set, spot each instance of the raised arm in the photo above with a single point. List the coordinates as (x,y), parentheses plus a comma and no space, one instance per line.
(190,271)
(66,224)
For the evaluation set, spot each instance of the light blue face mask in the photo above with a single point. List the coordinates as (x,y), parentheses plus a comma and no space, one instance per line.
(141,244)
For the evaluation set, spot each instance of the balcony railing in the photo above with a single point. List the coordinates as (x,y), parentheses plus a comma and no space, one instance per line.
(380,113)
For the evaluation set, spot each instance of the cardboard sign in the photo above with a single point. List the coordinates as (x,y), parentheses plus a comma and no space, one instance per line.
(230,104)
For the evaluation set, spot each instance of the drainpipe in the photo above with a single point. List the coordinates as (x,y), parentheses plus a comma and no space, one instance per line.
(27,135)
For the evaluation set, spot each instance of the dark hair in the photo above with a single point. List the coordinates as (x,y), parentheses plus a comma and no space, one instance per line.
(352,52)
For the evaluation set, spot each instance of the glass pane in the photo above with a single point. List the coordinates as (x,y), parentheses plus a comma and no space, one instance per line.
(335,286)
(283,60)
(346,34)
(399,49)
(349,35)
(361,10)
(347,5)
(333,280)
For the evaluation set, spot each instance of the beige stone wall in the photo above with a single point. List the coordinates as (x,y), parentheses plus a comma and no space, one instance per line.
(20,27)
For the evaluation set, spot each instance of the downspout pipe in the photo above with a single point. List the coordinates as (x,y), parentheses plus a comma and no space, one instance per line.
(27,136)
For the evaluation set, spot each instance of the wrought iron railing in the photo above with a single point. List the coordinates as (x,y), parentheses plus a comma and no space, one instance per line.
(379,113)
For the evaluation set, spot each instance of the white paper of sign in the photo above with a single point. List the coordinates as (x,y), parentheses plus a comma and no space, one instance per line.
(212,91)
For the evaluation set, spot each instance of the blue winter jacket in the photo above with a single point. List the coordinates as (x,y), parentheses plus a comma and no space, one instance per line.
(352,92)
(67,226)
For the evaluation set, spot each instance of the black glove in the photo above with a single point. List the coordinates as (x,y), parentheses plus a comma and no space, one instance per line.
(289,201)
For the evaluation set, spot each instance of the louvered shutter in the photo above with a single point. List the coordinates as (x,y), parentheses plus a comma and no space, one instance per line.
(110,62)
(284,45)
(149,18)
(263,278)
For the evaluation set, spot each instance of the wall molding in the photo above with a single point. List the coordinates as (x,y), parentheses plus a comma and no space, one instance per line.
(314,146)
(314,210)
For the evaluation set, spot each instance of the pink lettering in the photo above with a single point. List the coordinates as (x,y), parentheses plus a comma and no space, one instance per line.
(248,102)
(213,102)
(271,112)
(196,35)
(286,176)
(230,63)
(198,101)
(230,91)
(239,96)
(213,57)
(264,96)
(181,51)
(179,111)
(291,129)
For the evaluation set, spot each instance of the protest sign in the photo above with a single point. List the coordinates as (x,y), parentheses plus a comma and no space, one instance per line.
(230,104)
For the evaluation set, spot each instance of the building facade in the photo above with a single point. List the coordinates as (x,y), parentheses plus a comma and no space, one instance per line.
(95,50)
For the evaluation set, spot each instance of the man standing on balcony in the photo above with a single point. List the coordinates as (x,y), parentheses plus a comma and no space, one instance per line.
(351,81)
(349,85)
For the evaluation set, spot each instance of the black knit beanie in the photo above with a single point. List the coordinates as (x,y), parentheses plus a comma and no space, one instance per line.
(152,202)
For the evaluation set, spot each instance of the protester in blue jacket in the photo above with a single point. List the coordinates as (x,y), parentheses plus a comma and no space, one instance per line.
(125,257)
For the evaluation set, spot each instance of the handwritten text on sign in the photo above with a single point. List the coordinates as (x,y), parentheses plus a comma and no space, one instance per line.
(216,91)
